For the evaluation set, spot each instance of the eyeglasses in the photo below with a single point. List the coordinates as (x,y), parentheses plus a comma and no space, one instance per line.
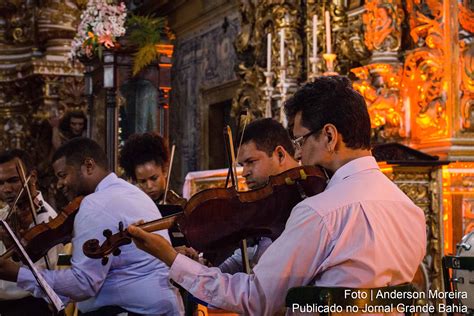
(299,142)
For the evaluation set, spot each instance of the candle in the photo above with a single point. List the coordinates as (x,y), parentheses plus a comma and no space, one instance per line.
(328,33)
(315,36)
(282,47)
(269,52)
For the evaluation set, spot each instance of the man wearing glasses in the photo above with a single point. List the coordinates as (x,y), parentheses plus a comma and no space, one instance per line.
(361,232)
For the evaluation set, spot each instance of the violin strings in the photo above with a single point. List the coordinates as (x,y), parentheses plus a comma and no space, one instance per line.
(246,119)
(18,197)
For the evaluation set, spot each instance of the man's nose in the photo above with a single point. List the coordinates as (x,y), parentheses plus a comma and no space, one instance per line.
(149,184)
(59,184)
(246,172)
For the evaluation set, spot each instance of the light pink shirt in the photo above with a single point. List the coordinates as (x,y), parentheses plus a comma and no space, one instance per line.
(362,232)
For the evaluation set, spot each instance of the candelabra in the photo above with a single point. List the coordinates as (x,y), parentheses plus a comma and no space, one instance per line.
(313,72)
(329,59)
(285,86)
(268,93)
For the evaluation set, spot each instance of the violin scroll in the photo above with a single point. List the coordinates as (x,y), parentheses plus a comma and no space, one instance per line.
(93,249)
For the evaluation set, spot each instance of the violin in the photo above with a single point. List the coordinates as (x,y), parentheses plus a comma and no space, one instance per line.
(173,198)
(42,237)
(219,218)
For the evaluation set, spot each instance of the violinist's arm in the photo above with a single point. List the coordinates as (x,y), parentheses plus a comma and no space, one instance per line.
(154,244)
(86,276)
(9,270)
(288,262)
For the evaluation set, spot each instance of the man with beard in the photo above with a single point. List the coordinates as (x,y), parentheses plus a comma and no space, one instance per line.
(134,282)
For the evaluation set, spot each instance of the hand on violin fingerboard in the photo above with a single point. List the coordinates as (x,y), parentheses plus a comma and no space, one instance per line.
(154,244)
(188,252)
(193,254)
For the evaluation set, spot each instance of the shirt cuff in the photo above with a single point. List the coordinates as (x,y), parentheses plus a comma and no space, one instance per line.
(185,270)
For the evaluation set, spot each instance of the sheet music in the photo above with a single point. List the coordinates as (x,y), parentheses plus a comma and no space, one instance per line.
(53,297)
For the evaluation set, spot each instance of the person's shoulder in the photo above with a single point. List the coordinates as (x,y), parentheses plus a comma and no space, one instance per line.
(319,202)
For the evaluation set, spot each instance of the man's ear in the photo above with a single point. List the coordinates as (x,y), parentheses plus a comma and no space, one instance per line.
(332,136)
(280,153)
(89,164)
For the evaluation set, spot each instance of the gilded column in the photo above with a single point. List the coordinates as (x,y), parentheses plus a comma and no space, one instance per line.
(466,48)
(424,75)
(379,80)
(16,43)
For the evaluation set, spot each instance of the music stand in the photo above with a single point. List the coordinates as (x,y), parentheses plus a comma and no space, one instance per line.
(52,296)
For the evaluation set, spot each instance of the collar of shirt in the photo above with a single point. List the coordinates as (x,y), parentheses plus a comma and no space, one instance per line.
(351,168)
(39,199)
(108,180)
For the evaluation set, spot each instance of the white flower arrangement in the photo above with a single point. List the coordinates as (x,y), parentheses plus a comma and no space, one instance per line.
(101,23)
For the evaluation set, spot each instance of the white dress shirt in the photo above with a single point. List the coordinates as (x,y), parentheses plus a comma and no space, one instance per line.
(361,232)
(133,280)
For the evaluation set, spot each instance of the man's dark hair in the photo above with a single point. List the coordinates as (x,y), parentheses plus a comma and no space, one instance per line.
(64,125)
(267,135)
(332,100)
(77,150)
(11,154)
(140,149)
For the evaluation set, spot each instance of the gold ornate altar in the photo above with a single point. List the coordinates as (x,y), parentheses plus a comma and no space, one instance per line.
(412,62)
(35,75)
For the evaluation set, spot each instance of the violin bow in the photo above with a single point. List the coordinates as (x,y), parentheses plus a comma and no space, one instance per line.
(244,114)
(233,174)
(18,197)
(229,145)
(21,172)
(169,172)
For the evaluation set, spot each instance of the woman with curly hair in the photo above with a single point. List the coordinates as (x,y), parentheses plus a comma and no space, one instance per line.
(144,158)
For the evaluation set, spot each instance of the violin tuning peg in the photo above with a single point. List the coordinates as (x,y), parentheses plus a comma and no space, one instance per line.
(117,252)
(105,260)
(107,233)
(120,226)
